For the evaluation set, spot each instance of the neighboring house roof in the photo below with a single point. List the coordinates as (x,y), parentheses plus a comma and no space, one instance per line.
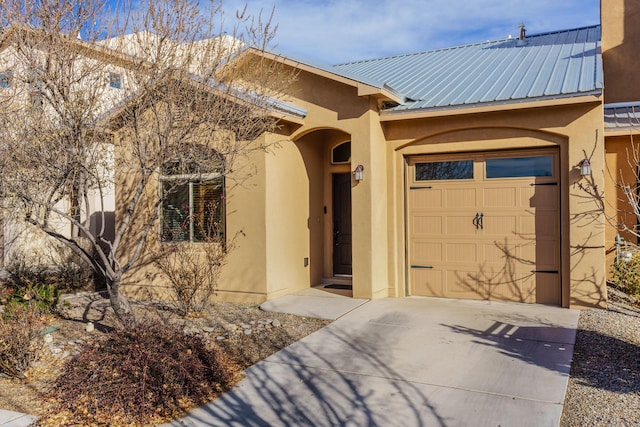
(544,66)
(622,116)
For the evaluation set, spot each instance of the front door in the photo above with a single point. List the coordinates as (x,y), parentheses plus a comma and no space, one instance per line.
(341,223)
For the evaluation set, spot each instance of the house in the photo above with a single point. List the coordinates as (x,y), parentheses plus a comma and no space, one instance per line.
(471,172)
(478,171)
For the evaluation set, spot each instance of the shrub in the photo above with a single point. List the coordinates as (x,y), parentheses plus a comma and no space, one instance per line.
(41,296)
(20,343)
(625,275)
(66,273)
(193,271)
(143,374)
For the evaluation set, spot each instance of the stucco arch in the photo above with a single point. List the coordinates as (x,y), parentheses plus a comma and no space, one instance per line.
(469,135)
(327,131)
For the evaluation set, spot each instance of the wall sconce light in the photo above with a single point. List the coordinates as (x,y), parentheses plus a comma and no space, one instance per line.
(585,167)
(358,173)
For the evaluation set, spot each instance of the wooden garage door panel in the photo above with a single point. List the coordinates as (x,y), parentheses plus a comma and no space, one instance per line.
(500,197)
(424,225)
(461,253)
(500,225)
(458,225)
(460,198)
(518,287)
(547,288)
(426,198)
(427,282)
(540,197)
(546,254)
(512,254)
(461,284)
(543,225)
(425,251)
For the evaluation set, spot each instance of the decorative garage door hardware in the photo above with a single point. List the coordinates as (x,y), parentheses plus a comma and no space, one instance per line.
(545,271)
(478,221)
(534,184)
(421,266)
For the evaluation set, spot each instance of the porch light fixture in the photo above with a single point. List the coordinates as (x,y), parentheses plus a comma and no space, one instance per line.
(358,173)
(585,167)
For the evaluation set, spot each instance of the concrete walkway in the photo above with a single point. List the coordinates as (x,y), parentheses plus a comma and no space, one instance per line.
(15,419)
(410,362)
(314,303)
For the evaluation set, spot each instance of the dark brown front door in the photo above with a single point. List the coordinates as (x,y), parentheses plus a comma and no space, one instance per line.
(342,223)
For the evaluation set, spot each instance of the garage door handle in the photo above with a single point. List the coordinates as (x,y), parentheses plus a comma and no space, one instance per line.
(476,220)
(481,221)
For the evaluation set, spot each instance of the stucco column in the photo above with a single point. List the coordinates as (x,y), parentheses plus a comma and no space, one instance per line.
(586,249)
(369,209)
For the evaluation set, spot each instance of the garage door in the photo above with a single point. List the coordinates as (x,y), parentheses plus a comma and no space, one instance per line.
(485,226)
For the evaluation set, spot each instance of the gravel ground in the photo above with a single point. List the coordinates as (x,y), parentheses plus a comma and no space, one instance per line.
(604,388)
(246,332)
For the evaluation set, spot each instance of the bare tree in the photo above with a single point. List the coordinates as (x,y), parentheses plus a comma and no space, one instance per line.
(167,97)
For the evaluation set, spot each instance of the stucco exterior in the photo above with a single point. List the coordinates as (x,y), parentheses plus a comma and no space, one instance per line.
(620,42)
(281,201)
(284,207)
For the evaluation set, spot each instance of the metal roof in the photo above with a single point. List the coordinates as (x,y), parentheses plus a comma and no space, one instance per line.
(551,65)
(622,116)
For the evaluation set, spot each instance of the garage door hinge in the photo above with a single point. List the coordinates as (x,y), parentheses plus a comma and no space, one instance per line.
(545,271)
(543,183)
(420,188)
(421,266)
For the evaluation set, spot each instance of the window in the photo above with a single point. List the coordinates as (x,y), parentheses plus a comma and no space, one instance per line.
(435,171)
(516,167)
(5,79)
(341,153)
(193,205)
(115,80)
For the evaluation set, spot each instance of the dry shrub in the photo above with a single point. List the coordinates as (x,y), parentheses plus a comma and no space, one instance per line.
(20,342)
(141,375)
(193,271)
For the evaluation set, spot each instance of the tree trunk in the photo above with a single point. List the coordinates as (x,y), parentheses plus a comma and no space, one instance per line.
(120,302)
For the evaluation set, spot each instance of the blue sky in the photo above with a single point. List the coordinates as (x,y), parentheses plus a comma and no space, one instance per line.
(336,31)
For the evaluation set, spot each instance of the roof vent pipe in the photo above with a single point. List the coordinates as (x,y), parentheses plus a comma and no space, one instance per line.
(523,32)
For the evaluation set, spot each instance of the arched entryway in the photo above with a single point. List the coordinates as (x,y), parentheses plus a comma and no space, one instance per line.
(327,157)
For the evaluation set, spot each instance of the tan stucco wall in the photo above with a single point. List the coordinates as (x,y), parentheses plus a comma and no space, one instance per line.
(620,41)
(288,219)
(243,276)
(620,170)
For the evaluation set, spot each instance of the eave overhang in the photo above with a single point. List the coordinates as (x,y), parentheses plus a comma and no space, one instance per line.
(409,114)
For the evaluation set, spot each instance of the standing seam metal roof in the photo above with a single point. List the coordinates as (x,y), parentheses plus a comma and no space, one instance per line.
(550,65)
(622,117)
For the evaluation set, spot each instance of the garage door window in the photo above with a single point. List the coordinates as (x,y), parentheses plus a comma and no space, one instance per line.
(435,171)
(516,167)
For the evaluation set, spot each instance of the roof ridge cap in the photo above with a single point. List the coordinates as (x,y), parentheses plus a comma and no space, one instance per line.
(403,55)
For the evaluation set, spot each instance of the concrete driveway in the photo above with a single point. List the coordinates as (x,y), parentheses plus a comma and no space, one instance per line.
(411,362)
